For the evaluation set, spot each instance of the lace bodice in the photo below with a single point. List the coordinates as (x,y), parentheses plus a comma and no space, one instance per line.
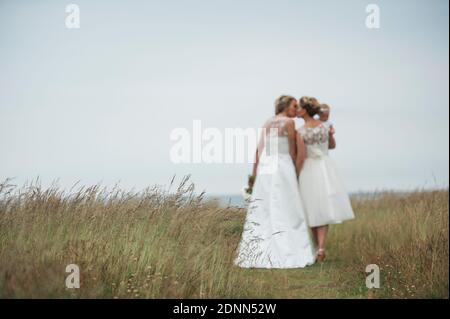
(316,140)
(315,135)
(276,136)
(276,126)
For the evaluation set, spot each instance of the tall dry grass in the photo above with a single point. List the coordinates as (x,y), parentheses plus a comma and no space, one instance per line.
(407,236)
(173,244)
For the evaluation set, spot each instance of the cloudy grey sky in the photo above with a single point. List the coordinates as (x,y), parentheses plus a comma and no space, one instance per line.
(97,104)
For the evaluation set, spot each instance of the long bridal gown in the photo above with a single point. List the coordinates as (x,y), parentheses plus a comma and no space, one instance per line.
(275,231)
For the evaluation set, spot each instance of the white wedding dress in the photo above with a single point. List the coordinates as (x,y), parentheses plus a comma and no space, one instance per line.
(323,194)
(275,231)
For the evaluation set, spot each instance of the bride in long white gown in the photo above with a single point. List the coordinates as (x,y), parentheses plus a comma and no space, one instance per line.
(275,232)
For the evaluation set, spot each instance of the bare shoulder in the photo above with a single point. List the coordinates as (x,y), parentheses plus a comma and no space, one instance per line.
(269,122)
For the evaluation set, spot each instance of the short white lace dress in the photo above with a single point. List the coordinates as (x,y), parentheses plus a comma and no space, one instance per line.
(323,194)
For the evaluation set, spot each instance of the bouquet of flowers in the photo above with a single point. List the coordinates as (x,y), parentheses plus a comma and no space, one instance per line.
(247,190)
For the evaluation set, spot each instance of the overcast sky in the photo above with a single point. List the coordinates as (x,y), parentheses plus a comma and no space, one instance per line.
(98,104)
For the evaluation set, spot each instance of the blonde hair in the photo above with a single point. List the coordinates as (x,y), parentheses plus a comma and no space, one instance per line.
(324,108)
(282,103)
(310,104)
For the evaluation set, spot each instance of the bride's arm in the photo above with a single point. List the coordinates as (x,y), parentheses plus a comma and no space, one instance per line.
(259,151)
(255,167)
(331,139)
(301,153)
(291,132)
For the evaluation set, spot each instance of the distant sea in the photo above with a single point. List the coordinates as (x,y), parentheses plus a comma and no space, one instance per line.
(238,200)
(228,200)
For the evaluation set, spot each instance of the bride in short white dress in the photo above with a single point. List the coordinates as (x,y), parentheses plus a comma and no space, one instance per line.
(323,194)
(275,231)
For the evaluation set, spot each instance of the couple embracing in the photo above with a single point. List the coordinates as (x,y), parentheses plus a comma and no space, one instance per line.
(296,191)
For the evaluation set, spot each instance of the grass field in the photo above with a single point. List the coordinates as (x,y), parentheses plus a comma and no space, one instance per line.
(174,244)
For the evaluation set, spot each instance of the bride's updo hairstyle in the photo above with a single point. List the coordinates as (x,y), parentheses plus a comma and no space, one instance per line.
(282,103)
(310,104)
